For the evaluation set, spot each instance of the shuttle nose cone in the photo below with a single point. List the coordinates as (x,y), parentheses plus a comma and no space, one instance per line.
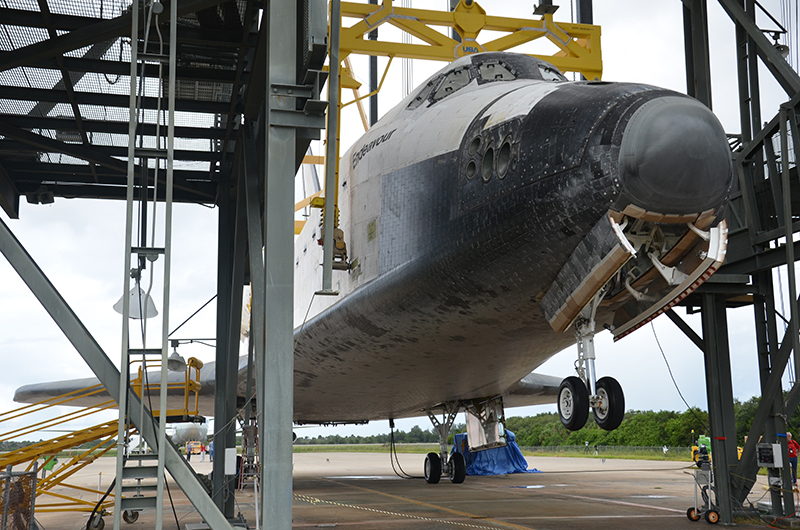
(674,158)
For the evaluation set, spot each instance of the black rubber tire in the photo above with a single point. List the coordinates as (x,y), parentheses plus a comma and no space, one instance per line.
(98,523)
(433,468)
(610,415)
(130,516)
(712,517)
(573,403)
(458,468)
(692,514)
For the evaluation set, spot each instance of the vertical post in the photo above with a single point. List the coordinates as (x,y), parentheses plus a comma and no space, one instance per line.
(122,399)
(278,386)
(584,9)
(767,344)
(698,70)
(224,430)
(373,76)
(331,151)
(720,400)
(7,497)
(793,329)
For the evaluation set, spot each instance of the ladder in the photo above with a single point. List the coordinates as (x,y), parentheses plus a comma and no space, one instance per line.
(152,249)
(249,467)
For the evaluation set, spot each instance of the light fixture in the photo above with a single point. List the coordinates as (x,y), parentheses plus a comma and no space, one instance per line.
(176,363)
(41,196)
(139,300)
(780,48)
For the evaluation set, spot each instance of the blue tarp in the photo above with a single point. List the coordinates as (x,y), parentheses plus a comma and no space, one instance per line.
(498,461)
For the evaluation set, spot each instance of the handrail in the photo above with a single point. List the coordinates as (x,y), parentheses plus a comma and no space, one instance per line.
(83,393)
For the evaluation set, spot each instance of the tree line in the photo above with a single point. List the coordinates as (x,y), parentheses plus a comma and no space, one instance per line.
(638,428)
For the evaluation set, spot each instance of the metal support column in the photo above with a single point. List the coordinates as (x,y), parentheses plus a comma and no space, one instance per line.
(698,69)
(767,343)
(584,11)
(224,420)
(331,151)
(720,399)
(275,404)
(373,77)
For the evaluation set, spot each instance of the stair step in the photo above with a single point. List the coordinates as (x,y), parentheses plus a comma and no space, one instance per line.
(139,472)
(139,488)
(153,57)
(138,503)
(142,456)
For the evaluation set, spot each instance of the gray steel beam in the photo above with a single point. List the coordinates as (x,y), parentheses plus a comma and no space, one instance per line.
(113,127)
(777,65)
(698,68)
(44,143)
(745,472)
(767,343)
(373,74)
(107,100)
(104,369)
(83,65)
(66,82)
(224,422)
(584,11)
(793,330)
(105,153)
(31,19)
(238,265)
(689,332)
(720,400)
(331,146)
(88,35)
(276,401)
(204,193)
(9,195)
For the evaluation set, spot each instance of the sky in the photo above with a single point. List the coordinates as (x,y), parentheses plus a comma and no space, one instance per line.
(80,243)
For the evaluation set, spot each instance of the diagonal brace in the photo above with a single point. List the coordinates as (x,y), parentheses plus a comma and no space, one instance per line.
(106,372)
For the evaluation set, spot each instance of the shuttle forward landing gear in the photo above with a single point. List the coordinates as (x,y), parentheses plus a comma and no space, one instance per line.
(577,394)
(452,465)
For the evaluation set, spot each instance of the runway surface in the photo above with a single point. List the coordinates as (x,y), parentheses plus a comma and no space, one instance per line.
(360,491)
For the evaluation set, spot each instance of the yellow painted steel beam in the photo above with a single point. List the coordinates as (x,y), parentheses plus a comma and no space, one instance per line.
(313,159)
(298,227)
(579,44)
(307,201)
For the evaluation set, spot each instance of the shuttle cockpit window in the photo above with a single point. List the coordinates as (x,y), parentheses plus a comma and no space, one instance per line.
(454,80)
(423,94)
(496,71)
(550,74)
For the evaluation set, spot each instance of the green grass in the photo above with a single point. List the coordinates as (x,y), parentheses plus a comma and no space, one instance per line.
(366,448)
(427,448)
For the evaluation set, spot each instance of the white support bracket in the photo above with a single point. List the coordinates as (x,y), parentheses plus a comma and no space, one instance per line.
(671,274)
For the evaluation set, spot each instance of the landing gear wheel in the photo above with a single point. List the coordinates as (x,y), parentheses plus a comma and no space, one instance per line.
(712,517)
(97,522)
(129,516)
(457,469)
(692,514)
(573,403)
(433,468)
(611,410)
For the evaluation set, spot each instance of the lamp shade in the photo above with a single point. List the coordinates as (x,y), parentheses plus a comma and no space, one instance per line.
(176,363)
(140,302)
